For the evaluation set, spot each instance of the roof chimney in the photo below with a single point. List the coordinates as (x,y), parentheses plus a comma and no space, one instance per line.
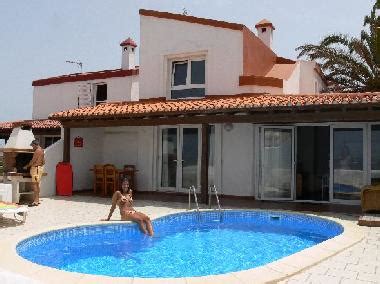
(128,54)
(265,32)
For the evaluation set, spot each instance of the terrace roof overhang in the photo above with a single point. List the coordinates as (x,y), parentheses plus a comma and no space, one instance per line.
(38,126)
(245,108)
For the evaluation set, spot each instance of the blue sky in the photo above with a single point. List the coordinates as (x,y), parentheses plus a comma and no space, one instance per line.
(38,36)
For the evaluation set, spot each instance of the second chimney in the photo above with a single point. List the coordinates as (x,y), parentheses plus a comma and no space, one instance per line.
(265,32)
(128,54)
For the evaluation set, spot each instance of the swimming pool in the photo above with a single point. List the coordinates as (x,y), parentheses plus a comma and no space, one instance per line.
(185,244)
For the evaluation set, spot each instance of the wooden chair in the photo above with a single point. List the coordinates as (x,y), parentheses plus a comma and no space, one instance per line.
(99,180)
(129,173)
(370,198)
(111,179)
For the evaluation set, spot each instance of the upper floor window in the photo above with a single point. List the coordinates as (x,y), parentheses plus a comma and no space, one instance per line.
(100,93)
(188,78)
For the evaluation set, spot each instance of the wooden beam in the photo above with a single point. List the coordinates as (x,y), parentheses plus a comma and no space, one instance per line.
(204,163)
(66,144)
(268,117)
(56,132)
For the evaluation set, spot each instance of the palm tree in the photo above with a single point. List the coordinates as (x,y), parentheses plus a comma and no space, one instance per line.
(348,63)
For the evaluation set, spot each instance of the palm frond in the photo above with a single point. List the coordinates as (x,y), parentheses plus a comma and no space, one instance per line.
(348,63)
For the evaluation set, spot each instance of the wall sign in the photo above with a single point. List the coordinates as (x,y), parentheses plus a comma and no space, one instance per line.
(78,142)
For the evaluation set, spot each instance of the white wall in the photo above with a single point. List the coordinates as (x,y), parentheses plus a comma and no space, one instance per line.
(303,78)
(237,160)
(113,145)
(53,155)
(292,84)
(57,97)
(131,146)
(84,159)
(260,89)
(162,38)
(308,76)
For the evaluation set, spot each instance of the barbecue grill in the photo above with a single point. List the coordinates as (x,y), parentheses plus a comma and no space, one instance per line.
(17,152)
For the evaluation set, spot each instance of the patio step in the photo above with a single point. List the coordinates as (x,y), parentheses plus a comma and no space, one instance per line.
(369,220)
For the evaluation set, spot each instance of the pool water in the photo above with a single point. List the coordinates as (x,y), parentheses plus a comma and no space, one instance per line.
(184,244)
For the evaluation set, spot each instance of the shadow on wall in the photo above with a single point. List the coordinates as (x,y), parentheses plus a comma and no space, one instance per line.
(53,155)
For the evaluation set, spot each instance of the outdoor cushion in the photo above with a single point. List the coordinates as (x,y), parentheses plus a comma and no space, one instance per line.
(12,208)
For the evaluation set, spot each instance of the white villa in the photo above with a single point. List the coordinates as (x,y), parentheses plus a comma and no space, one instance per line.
(210,104)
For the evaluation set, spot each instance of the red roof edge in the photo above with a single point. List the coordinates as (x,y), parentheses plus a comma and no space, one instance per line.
(86,76)
(260,81)
(128,41)
(283,60)
(191,19)
(153,100)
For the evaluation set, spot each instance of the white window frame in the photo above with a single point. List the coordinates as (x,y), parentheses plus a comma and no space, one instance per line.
(188,84)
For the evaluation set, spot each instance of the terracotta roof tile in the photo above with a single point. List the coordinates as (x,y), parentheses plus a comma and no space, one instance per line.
(35,124)
(214,104)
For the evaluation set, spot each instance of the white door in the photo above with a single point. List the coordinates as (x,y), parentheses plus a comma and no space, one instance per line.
(349,164)
(179,158)
(277,163)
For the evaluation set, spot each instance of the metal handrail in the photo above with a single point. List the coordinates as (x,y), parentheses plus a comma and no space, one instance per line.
(192,188)
(212,189)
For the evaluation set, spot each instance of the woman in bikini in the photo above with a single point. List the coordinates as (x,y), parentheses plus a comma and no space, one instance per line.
(124,200)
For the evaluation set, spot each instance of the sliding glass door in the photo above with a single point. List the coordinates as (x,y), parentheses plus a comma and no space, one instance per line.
(349,162)
(168,149)
(312,163)
(277,163)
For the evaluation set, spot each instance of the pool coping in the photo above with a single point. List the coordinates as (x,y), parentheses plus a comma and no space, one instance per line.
(270,273)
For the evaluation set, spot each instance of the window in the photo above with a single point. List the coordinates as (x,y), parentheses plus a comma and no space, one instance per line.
(51,140)
(101,93)
(263,30)
(188,78)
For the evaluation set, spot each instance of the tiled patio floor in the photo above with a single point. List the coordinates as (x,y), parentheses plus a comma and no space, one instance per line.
(358,264)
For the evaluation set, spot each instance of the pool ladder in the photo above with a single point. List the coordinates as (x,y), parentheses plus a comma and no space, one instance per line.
(212,190)
(192,190)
